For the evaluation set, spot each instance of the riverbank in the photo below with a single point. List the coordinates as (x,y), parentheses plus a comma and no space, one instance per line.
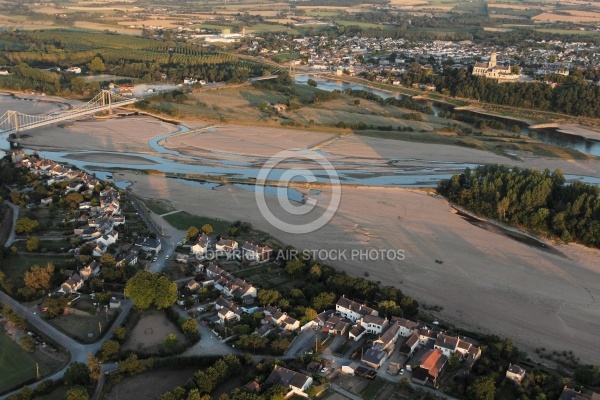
(484,282)
(571,129)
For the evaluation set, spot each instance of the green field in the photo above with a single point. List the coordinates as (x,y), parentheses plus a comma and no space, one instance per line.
(15,266)
(16,366)
(183,220)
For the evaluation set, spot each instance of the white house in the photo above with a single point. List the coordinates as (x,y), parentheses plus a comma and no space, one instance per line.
(90,271)
(256,253)
(226,245)
(353,310)
(373,324)
(71,285)
(74,70)
(515,373)
(199,248)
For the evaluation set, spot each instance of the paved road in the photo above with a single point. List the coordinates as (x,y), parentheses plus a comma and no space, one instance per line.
(167,242)
(13,235)
(77,351)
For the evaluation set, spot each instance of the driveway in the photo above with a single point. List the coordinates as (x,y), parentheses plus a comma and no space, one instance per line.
(304,342)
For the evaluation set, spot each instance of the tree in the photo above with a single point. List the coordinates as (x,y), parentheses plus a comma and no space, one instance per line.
(78,85)
(109,349)
(192,233)
(97,65)
(165,293)
(55,306)
(94,367)
(268,297)
(78,393)
(77,374)
(190,328)
(27,343)
(120,333)
(311,82)
(323,301)
(38,278)
(131,365)
(33,243)
(206,228)
(73,199)
(171,342)
(107,260)
(294,266)
(141,289)
(26,226)
(482,389)
(279,346)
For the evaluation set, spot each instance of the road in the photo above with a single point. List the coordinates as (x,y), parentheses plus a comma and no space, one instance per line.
(77,351)
(13,234)
(167,242)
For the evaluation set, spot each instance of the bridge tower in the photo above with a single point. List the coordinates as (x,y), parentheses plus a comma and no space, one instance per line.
(13,118)
(107,100)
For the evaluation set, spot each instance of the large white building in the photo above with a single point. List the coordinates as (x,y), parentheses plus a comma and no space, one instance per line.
(492,70)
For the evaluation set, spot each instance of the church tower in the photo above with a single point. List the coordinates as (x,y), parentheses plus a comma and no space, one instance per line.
(492,62)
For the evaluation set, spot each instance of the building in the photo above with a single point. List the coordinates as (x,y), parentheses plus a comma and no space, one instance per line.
(199,248)
(572,394)
(515,373)
(492,70)
(373,324)
(295,381)
(148,244)
(74,70)
(256,253)
(429,368)
(352,310)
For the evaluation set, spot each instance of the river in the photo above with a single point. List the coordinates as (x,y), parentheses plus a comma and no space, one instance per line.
(547,135)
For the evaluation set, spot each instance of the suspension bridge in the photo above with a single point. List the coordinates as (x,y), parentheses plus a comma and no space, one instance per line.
(14,122)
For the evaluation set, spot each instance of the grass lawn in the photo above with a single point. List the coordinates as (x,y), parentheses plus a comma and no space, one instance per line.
(183,220)
(371,391)
(16,366)
(78,326)
(159,207)
(15,266)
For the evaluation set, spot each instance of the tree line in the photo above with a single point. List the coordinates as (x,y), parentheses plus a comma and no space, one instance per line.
(542,202)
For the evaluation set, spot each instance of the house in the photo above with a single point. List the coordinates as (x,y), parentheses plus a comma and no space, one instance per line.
(387,340)
(253,252)
(357,332)
(373,324)
(264,330)
(426,335)
(515,373)
(446,344)
(114,303)
(148,244)
(374,358)
(429,368)
(353,310)
(89,271)
(279,107)
(225,314)
(336,325)
(182,258)
(71,285)
(199,248)
(295,381)
(290,324)
(572,394)
(407,327)
(130,259)
(226,245)
(410,344)
(193,286)
(74,70)
(252,387)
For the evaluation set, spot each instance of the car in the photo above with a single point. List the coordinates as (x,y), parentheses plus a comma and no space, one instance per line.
(200,309)
(402,371)
(324,369)
(154,259)
(167,257)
